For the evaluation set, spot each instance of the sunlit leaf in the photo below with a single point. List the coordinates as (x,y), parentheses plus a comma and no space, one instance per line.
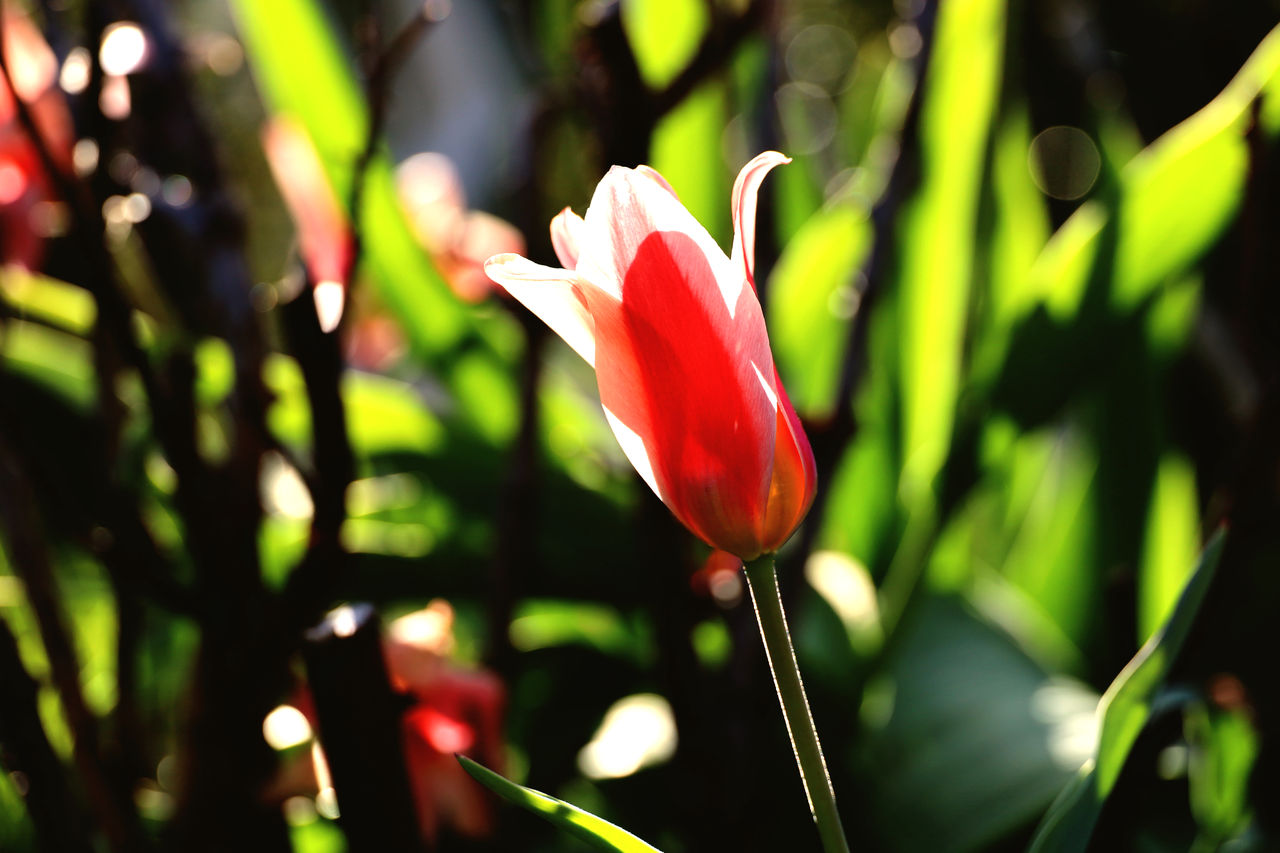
(597,832)
(1124,710)
(38,296)
(1172,537)
(938,227)
(686,150)
(664,34)
(1174,198)
(56,359)
(539,623)
(1224,747)
(812,295)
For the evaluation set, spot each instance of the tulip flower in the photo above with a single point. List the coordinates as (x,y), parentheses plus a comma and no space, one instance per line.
(675,332)
(24,185)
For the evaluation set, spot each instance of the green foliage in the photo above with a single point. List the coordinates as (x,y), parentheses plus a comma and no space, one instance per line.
(1053,397)
(599,833)
(1125,709)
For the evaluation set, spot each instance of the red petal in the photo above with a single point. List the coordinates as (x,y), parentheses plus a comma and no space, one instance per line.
(681,366)
(795,475)
(324,238)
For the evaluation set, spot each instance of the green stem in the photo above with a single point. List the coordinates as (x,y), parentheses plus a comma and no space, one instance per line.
(762,580)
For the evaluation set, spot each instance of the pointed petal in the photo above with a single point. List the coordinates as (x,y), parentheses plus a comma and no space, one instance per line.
(553,295)
(324,237)
(656,176)
(566,230)
(329,298)
(795,475)
(683,359)
(745,190)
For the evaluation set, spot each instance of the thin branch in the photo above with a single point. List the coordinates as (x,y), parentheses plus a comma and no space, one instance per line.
(378,93)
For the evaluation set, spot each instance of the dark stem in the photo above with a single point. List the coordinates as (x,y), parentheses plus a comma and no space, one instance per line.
(378,94)
(360,719)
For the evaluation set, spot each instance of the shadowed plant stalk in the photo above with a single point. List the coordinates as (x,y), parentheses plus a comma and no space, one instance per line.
(762,581)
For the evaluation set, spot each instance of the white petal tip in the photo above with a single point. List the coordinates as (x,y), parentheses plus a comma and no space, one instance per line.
(330,298)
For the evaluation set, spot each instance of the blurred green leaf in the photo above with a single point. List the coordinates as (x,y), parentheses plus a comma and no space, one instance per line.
(55,359)
(938,228)
(664,35)
(1019,231)
(16,830)
(967,737)
(1175,197)
(44,298)
(1223,748)
(1172,537)
(1049,487)
(303,73)
(215,371)
(383,414)
(1124,710)
(318,836)
(539,623)
(687,149)
(587,827)
(812,295)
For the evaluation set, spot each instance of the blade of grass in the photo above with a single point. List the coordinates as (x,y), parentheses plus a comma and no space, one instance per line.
(597,832)
(1124,708)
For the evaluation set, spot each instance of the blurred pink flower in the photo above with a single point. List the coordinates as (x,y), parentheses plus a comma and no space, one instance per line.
(459,240)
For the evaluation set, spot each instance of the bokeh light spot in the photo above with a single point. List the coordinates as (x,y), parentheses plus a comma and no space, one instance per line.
(1064,162)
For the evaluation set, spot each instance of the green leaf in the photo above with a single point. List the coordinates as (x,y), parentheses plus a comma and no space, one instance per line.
(597,832)
(59,361)
(939,226)
(302,72)
(810,302)
(1175,197)
(664,35)
(1173,528)
(1124,709)
(686,150)
(1224,747)
(968,737)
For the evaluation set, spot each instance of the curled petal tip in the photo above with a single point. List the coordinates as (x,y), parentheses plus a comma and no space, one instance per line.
(501,260)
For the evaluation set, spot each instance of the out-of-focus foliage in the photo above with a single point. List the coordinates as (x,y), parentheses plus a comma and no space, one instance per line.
(1020,284)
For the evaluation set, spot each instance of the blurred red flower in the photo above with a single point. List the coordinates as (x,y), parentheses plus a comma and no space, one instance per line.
(456,710)
(676,335)
(24,184)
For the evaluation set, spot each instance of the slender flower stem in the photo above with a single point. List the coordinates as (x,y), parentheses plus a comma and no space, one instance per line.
(762,580)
